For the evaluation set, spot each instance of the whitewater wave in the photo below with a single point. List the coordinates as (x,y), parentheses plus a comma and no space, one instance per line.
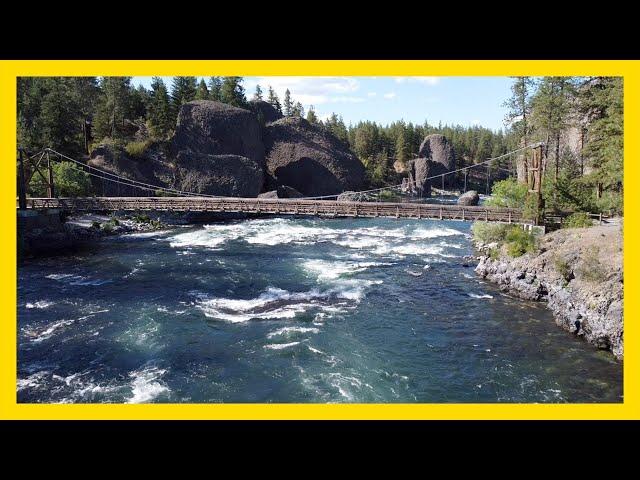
(475,295)
(40,304)
(79,280)
(276,303)
(286,331)
(146,384)
(280,346)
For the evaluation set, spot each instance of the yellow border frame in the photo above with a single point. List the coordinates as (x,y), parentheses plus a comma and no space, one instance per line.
(9,70)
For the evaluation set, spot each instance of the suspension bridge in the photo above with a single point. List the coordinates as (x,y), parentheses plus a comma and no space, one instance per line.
(379,202)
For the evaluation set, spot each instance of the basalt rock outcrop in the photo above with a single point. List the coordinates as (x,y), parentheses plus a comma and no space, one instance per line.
(265,112)
(283,191)
(222,175)
(435,157)
(214,128)
(310,159)
(579,273)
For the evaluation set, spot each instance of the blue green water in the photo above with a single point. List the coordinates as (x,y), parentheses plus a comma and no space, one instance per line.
(292,310)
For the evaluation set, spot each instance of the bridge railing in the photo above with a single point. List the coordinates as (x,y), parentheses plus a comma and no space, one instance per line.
(330,208)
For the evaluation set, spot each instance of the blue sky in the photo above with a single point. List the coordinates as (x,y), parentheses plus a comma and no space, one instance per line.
(453,100)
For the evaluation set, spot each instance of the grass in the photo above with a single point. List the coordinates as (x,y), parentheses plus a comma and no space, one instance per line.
(591,269)
(136,149)
(563,269)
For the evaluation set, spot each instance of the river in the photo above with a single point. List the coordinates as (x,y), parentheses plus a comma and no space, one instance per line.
(292,310)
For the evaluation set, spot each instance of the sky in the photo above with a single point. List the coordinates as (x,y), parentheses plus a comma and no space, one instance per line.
(451,100)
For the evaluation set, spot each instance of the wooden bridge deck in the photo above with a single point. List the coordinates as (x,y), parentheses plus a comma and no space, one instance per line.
(289,206)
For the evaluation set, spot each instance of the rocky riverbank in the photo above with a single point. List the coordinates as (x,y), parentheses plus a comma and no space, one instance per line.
(577,271)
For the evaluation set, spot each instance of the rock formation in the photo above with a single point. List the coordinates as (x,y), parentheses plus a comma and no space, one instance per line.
(264,111)
(579,273)
(310,159)
(469,198)
(435,157)
(215,128)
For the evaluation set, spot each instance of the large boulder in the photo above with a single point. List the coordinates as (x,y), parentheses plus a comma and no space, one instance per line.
(310,159)
(438,149)
(264,111)
(283,191)
(223,175)
(214,128)
(435,157)
(469,198)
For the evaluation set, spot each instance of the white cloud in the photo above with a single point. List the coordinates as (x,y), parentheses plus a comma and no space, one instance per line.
(390,95)
(371,94)
(431,81)
(309,90)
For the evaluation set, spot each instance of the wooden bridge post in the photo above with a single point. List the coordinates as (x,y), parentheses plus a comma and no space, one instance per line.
(50,188)
(22,187)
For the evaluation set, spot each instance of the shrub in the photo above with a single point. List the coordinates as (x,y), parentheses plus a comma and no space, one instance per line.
(386,196)
(508,193)
(519,242)
(488,232)
(95,224)
(577,220)
(107,227)
(563,268)
(141,218)
(591,269)
(137,149)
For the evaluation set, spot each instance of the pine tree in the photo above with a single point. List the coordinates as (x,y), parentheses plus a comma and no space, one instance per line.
(232,92)
(202,93)
(258,93)
(274,100)
(298,110)
(287,104)
(183,90)
(160,119)
(215,84)
(311,116)
(113,108)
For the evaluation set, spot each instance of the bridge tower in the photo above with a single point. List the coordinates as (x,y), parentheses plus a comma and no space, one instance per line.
(535,173)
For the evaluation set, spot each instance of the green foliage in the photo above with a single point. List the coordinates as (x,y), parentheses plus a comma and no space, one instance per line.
(141,218)
(508,193)
(488,232)
(183,90)
(136,149)
(232,92)
(577,220)
(114,107)
(311,116)
(274,100)
(215,86)
(287,104)
(258,93)
(95,225)
(107,227)
(518,242)
(68,180)
(387,196)
(563,268)
(591,269)
(202,92)
(159,110)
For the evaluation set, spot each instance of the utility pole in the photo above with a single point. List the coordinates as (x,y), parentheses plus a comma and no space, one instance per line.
(22,188)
